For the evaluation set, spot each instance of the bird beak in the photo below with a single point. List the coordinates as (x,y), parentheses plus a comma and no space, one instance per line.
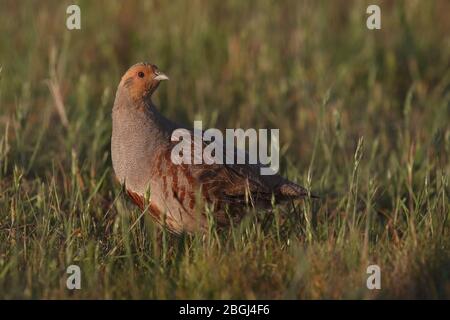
(160,77)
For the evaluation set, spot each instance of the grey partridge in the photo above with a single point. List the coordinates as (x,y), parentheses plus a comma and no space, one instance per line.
(176,195)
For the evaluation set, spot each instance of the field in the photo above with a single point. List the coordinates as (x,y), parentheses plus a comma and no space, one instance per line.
(364,119)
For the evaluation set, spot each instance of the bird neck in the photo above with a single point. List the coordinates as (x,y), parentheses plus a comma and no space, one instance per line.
(140,110)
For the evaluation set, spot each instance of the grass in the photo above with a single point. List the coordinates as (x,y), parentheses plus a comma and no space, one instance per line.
(363,117)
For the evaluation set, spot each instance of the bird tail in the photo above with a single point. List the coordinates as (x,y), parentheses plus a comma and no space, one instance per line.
(294,191)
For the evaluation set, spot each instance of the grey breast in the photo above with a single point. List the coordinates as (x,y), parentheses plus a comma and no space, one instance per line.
(132,147)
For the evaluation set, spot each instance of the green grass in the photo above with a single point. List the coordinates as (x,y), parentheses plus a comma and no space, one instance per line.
(364,121)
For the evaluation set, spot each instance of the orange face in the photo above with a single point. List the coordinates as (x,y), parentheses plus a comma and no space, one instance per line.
(142,79)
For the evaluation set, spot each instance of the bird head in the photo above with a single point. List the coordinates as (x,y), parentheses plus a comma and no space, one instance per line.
(141,80)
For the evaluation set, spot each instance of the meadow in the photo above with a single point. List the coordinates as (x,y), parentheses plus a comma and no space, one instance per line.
(364,119)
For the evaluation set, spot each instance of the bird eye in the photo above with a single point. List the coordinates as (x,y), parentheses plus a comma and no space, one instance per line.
(141,74)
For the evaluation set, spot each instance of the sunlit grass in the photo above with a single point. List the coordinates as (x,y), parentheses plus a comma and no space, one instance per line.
(364,122)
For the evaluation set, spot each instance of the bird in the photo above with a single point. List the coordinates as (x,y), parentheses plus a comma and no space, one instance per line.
(177,196)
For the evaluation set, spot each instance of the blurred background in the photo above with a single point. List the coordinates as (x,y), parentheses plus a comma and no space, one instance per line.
(232,64)
(310,68)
